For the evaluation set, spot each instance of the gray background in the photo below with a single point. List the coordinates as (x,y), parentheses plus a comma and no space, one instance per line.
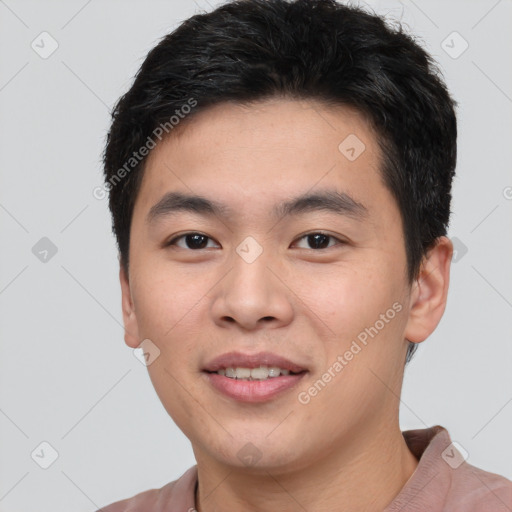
(68,379)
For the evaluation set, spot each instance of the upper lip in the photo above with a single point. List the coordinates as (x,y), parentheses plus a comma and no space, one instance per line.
(238,359)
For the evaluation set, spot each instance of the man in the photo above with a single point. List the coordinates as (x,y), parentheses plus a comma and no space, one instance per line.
(280,184)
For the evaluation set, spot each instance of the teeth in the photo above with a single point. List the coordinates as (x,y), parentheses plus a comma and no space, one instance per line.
(243,373)
(274,371)
(257,373)
(261,373)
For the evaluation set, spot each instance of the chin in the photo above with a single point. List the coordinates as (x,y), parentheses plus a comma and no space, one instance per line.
(256,453)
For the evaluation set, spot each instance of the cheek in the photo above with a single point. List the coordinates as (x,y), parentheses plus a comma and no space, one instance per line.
(176,394)
(347,298)
(349,301)
(166,300)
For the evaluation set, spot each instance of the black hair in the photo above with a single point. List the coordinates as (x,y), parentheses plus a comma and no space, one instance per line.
(250,50)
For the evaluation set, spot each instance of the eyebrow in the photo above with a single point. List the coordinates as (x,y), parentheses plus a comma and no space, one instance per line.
(329,200)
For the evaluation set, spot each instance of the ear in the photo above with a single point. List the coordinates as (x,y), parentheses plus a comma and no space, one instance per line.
(429,292)
(131,328)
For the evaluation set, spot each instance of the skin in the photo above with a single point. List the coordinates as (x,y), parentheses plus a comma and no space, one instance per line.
(301,302)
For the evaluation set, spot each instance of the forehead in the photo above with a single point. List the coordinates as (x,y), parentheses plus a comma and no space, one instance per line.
(252,156)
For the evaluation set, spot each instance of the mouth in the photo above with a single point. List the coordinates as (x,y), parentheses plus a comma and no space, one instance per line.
(253,377)
(262,365)
(259,373)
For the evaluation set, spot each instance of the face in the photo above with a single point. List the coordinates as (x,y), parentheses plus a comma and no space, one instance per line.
(301,254)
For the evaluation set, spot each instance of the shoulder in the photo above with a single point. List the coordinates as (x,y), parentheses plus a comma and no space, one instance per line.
(178,492)
(474,489)
(145,500)
(445,482)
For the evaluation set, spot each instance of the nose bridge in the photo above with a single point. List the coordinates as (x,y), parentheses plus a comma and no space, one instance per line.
(250,290)
(250,274)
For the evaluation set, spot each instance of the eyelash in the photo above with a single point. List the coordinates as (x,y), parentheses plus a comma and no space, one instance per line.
(173,241)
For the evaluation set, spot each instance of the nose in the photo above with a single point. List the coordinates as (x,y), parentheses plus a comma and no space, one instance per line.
(253,294)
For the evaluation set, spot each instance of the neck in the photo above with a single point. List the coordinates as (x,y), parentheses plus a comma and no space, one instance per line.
(364,472)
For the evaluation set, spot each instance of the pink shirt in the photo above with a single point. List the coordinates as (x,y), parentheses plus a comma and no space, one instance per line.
(442,482)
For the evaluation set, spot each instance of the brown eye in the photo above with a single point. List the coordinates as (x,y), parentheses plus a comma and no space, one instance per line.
(319,240)
(193,241)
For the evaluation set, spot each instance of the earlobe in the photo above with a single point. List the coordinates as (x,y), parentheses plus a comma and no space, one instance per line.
(131,329)
(430,292)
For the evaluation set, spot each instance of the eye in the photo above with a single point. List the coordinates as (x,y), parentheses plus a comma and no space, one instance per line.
(319,240)
(192,240)
(198,241)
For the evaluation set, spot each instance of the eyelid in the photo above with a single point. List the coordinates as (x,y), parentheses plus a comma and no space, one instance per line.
(321,232)
(174,239)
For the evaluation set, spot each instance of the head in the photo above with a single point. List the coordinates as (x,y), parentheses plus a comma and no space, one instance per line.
(253,107)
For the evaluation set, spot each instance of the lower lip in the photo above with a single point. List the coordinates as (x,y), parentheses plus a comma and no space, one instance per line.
(253,390)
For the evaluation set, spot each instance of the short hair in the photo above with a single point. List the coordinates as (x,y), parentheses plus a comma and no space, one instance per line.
(245,51)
